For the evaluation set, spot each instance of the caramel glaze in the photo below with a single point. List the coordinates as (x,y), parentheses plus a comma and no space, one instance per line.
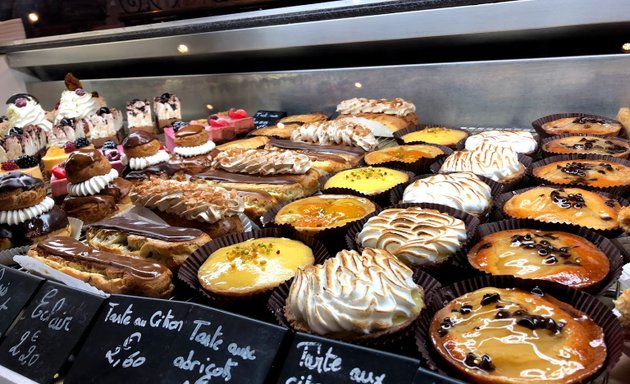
(497,335)
(165,168)
(333,149)
(248,179)
(137,138)
(83,159)
(189,130)
(21,234)
(149,229)
(12,181)
(73,250)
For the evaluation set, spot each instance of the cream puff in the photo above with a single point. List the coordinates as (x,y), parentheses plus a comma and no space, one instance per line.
(192,149)
(145,156)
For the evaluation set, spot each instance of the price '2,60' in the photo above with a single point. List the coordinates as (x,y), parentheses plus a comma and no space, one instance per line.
(124,353)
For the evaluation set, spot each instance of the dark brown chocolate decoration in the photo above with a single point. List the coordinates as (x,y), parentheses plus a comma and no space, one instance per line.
(571,200)
(83,158)
(12,181)
(149,229)
(137,138)
(544,248)
(21,234)
(165,168)
(189,130)
(586,120)
(490,298)
(249,179)
(73,250)
(484,362)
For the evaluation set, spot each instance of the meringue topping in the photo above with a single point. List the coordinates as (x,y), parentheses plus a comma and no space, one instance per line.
(354,294)
(138,163)
(395,106)
(93,185)
(415,235)
(493,162)
(340,132)
(200,202)
(262,161)
(460,190)
(18,216)
(519,141)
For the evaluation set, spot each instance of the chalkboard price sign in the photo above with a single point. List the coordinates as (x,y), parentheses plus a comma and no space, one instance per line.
(16,288)
(267,118)
(47,331)
(315,360)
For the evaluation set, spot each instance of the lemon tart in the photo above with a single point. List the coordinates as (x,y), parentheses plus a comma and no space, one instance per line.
(403,153)
(436,135)
(369,181)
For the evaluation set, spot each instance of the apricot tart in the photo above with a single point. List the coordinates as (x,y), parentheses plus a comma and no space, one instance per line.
(565,206)
(588,145)
(253,266)
(317,213)
(436,135)
(547,255)
(582,124)
(494,335)
(369,181)
(403,153)
(593,173)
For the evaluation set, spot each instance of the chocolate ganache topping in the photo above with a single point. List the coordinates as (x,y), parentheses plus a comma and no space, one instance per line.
(12,181)
(149,229)
(189,130)
(20,234)
(138,138)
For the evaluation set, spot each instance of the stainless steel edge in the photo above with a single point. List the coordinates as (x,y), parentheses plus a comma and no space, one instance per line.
(508,93)
(527,16)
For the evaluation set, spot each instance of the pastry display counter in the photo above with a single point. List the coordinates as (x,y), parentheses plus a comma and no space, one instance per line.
(233,258)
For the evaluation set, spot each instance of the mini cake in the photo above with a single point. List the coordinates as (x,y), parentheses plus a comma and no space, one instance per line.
(238,118)
(318,213)
(520,141)
(564,205)
(369,181)
(192,149)
(546,255)
(459,190)
(495,335)
(325,158)
(582,124)
(588,145)
(285,126)
(336,133)
(593,173)
(27,215)
(23,110)
(383,116)
(145,156)
(402,153)
(448,137)
(169,245)
(253,266)
(139,117)
(496,163)
(106,271)
(167,110)
(94,189)
(27,141)
(211,209)
(26,164)
(415,235)
(319,296)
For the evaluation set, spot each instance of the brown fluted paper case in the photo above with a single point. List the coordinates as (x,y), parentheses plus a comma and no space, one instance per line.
(582,301)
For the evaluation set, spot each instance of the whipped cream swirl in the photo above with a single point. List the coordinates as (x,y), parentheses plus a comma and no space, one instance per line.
(336,132)
(519,141)
(197,202)
(30,114)
(74,106)
(354,294)
(93,185)
(459,190)
(139,163)
(414,235)
(493,162)
(18,216)
(262,161)
(397,106)
(196,150)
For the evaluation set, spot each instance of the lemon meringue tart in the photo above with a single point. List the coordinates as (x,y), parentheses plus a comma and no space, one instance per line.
(253,266)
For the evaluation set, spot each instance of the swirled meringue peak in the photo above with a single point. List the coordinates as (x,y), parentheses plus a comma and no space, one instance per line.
(353,295)
(494,162)
(415,235)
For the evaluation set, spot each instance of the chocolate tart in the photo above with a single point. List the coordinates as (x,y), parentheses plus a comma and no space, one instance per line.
(451,137)
(586,145)
(576,123)
(506,316)
(416,158)
(595,172)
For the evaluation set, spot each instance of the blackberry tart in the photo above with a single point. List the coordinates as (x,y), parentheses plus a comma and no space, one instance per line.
(597,173)
(587,145)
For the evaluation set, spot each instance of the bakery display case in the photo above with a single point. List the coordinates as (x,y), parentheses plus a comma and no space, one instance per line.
(351,191)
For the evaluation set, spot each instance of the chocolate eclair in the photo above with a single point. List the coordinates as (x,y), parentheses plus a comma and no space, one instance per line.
(192,149)
(145,157)
(94,191)
(166,244)
(27,215)
(326,158)
(104,270)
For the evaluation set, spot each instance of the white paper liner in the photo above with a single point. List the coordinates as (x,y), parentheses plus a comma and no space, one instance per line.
(38,268)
